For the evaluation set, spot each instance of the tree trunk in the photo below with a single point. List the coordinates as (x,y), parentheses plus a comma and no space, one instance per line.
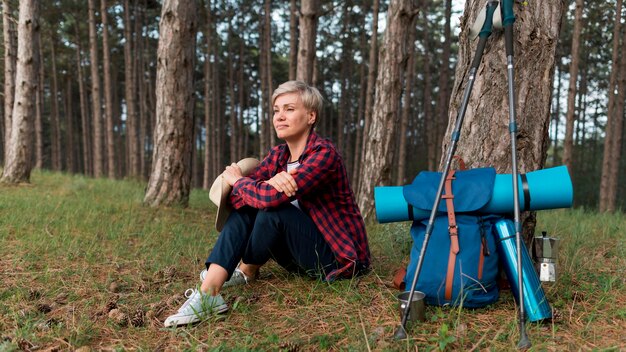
(69,115)
(293,39)
(84,112)
(571,92)
(617,132)
(441,114)
(130,94)
(358,142)
(371,81)
(242,130)
(108,98)
(264,71)
(485,137)
(8,34)
(169,182)
(142,79)
(557,115)
(270,85)
(406,104)
(231,96)
(308,34)
(429,132)
(39,106)
(208,99)
(18,163)
(98,160)
(344,78)
(382,131)
(55,130)
(608,160)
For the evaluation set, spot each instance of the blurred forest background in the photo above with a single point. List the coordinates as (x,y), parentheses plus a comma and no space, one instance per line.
(95,103)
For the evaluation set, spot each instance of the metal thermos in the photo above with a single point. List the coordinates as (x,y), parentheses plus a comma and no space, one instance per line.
(536,305)
(545,251)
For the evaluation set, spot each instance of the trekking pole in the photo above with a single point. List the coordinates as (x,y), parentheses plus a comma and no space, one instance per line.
(507,20)
(485,32)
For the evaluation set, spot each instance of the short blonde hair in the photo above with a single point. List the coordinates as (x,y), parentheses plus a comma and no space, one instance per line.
(310,96)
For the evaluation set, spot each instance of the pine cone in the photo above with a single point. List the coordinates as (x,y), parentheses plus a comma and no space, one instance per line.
(137,319)
(111,304)
(556,315)
(118,317)
(289,347)
(143,287)
(169,273)
(44,308)
(34,294)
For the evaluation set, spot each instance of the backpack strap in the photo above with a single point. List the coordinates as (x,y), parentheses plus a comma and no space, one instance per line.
(453,231)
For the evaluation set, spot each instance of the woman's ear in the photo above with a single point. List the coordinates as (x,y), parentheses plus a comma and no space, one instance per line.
(312,117)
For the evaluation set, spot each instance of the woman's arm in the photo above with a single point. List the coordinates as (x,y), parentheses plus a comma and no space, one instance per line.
(315,170)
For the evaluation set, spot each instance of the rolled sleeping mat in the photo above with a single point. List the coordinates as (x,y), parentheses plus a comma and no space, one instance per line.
(536,304)
(538,190)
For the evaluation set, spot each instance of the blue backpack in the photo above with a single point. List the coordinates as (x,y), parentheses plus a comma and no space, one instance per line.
(460,264)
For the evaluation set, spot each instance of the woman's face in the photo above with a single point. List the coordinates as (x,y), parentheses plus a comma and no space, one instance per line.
(291,119)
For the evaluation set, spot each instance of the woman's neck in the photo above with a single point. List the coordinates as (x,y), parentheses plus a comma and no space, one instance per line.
(296,147)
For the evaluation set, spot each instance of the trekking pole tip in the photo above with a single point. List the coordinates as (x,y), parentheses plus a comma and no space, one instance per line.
(400,333)
(524,342)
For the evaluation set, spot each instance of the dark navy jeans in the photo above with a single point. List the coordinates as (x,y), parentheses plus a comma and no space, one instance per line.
(285,234)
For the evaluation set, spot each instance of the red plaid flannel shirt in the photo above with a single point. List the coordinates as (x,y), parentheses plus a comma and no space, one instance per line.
(323,193)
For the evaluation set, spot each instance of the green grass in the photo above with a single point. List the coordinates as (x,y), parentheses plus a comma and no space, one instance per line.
(70,246)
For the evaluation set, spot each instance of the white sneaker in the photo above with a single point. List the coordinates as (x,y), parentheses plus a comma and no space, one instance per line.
(197,307)
(238,278)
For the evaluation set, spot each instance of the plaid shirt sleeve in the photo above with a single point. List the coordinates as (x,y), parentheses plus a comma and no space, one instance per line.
(314,170)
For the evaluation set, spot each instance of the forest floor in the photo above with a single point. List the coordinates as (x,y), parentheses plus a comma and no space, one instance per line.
(73,250)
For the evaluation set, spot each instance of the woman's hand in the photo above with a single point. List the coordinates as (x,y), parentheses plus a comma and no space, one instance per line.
(284,182)
(232,174)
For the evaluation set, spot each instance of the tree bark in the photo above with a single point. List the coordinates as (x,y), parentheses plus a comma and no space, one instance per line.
(429,132)
(568,144)
(371,80)
(18,163)
(344,78)
(84,112)
(557,115)
(441,114)
(69,116)
(608,159)
(108,98)
(308,34)
(406,104)
(293,39)
(617,132)
(8,34)
(358,139)
(232,114)
(270,78)
(98,160)
(130,94)
(55,130)
(169,182)
(265,73)
(39,106)
(208,98)
(381,134)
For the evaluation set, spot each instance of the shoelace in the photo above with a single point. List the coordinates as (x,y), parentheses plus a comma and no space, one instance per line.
(191,295)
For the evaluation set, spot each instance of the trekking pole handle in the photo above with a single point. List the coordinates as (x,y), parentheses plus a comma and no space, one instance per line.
(508,17)
(485,31)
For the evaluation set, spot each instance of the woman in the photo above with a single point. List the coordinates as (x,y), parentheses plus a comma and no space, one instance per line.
(295,207)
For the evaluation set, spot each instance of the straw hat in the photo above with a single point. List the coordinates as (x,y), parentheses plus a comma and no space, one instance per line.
(220,190)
